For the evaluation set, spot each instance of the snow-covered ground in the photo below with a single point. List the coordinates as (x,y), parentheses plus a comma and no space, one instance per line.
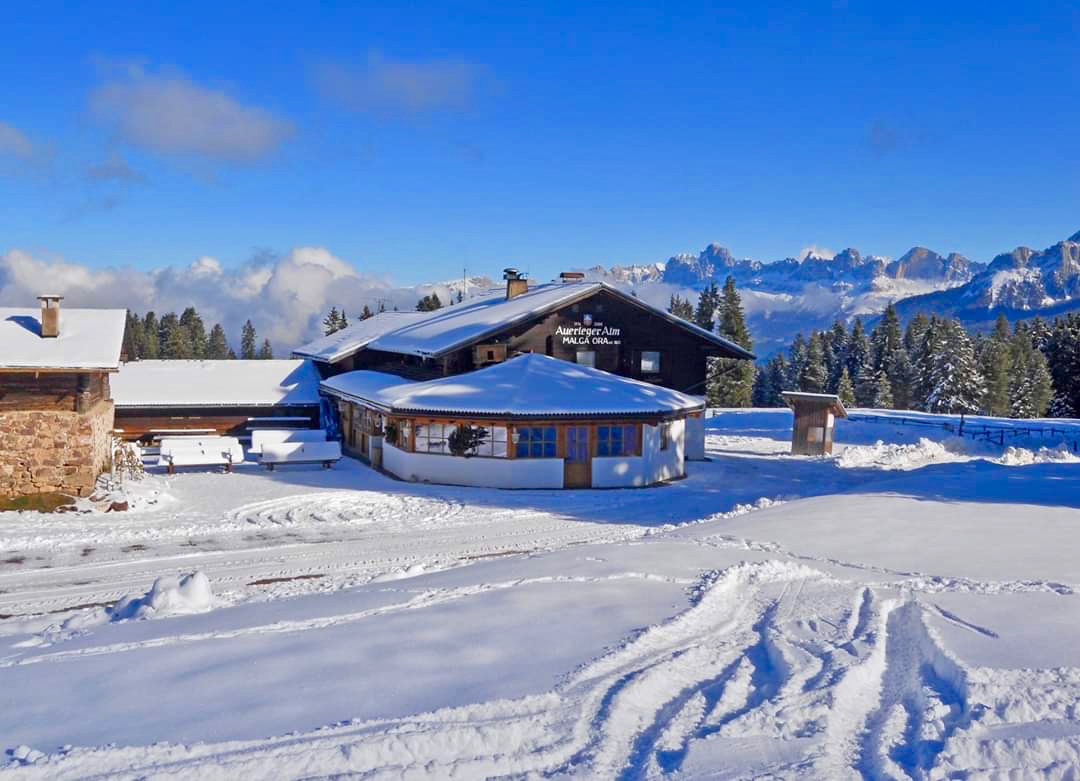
(904,608)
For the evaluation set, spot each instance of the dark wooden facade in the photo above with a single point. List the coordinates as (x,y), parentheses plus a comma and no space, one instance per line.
(138,422)
(57,390)
(616,330)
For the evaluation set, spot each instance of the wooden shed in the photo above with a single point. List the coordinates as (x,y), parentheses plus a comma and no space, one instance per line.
(815,419)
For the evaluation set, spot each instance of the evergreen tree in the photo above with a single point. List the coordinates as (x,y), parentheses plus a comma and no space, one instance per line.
(844,389)
(995,359)
(266,352)
(1031,387)
(858,353)
(332,323)
(681,307)
(196,330)
(151,347)
(429,303)
(956,384)
(887,339)
(866,386)
(1063,356)
(248,341)
(177,340)
(883,398)
(217,347)
(915,333)
(732,379)
(168,323)
(707,304)
(924,358)
(796,363)
(836,355)
(778,375)
(813,377)
(902,378)
(762,389)
(134,337)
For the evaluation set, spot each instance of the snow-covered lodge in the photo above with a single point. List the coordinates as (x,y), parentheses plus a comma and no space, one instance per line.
(56,409)
(568,384)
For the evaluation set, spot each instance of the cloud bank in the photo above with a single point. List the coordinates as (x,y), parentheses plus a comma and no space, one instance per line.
(285,296)
(172,115)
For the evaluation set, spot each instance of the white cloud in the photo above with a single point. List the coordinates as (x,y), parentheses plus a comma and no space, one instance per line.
(384,85)
(171,114)
(14,142)
(814,249)
(285,296)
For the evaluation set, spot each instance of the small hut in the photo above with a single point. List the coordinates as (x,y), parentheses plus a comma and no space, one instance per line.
(815,419)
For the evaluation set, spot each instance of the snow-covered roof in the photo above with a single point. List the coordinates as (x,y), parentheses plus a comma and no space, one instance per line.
(89,339)
(529,385)
(343,343)
(830,399)
(216,383)
(433,334)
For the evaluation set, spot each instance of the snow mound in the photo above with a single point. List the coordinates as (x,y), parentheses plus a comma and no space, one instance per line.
(882,455)
(170,595)
(1019,456)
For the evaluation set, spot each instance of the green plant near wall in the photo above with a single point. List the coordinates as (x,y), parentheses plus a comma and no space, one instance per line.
(391,431)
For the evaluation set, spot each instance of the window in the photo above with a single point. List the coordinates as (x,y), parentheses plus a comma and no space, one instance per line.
(535,442)
(404,435)
(650,361)
(665,436)
(616,440)
(431,437)
(494,444)
(586,358)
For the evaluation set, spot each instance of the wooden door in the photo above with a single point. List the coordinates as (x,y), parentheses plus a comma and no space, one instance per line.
(577,469)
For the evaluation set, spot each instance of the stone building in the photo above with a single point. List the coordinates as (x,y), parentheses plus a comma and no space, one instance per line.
(56,410)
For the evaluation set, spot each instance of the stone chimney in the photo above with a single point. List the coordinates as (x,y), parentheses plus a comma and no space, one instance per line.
(50,316)
(516,283)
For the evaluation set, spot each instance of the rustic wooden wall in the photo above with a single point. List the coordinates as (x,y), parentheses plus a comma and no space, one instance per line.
(63,391)
(232,421)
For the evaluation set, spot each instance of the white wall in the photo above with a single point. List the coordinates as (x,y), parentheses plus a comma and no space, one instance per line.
(490,472)
(695,439)
(652,466)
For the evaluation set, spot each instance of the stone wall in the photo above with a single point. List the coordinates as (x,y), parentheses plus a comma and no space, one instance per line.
(44,451)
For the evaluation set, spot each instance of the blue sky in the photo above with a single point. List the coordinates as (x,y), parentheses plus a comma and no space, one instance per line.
(415,140)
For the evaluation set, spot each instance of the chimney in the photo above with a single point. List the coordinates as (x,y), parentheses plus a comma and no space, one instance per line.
(572,276)
(50,316)
(516,283)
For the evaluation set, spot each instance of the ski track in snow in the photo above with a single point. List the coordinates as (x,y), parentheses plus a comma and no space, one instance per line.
(839,660)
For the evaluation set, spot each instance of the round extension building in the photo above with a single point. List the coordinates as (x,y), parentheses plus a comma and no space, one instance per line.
(532,421)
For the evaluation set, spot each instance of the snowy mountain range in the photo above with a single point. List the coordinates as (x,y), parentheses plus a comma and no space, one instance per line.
(798,294)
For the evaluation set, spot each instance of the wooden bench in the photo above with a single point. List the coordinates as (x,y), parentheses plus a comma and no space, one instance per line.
(277,436)
(325,453)
(206,451)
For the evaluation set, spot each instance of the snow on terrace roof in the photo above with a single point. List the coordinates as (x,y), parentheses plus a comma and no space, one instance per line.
(360,334)
(216,383)
(529,385)
(89,339)
(433,334)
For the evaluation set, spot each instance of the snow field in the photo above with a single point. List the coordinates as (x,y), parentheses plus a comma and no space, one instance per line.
(904,609)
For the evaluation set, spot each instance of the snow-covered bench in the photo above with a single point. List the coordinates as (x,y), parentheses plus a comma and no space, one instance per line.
(325,453)
(276,436)
(202,451)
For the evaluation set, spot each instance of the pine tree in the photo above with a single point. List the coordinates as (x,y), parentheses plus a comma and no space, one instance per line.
(247,341)
(924,357)
(681,307)
(778,375)
(858,352)
(1063,356)
(883,398)
(796,362)
(332,322)
(956,384)
(995,359)
(836,354)
(813,376)
(1031,387)
(762,389)
(844,389)
(196,330)
(732,379)
(429,303)
(177,342)
(887,339)
(217,347)
(866,386)
(902,377)
(266,352)
(915,333)
(134,337)
(151,347)
(166,325)
(708,302)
